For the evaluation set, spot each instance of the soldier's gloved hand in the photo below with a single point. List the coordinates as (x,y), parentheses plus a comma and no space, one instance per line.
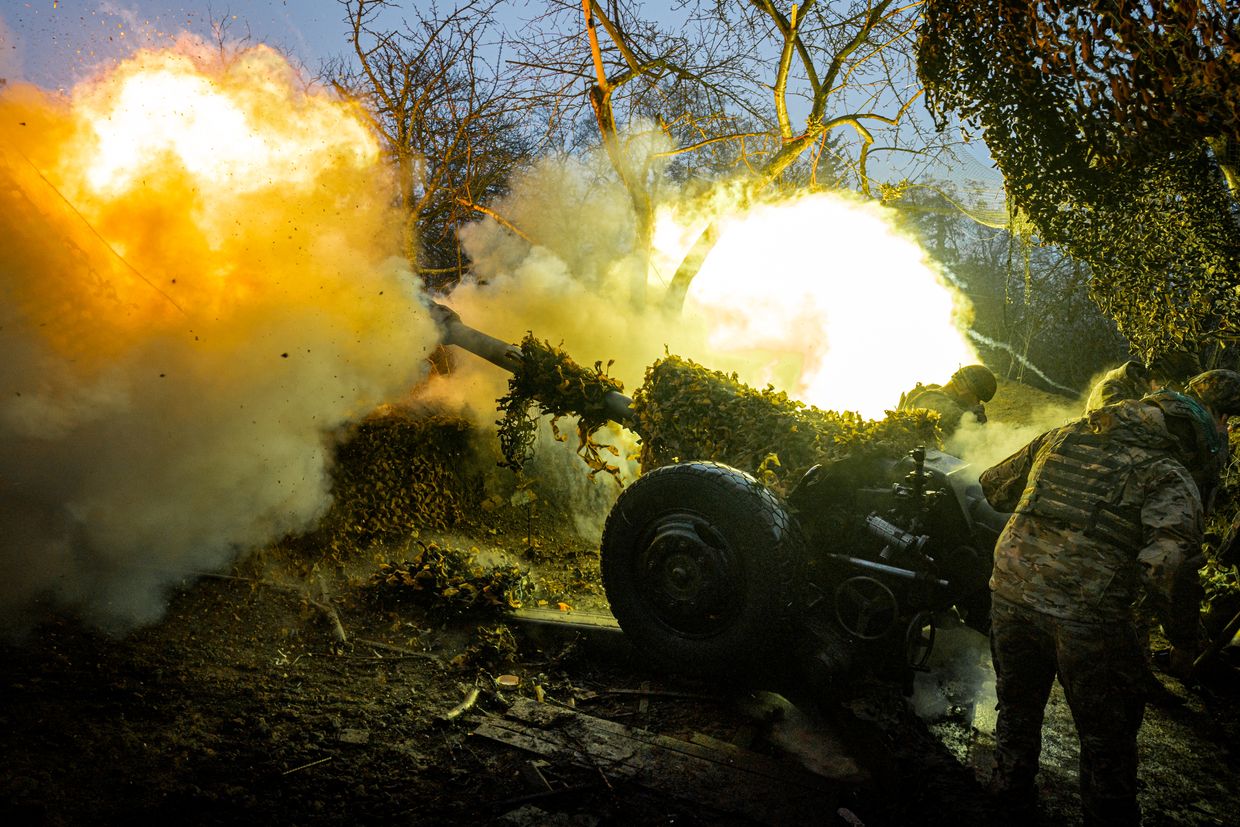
(979,413)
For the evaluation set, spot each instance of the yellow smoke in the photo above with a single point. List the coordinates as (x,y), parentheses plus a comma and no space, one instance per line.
(199,286)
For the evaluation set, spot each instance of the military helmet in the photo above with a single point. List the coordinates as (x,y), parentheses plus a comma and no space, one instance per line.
(1220,389)
(977,379)
(1193,426)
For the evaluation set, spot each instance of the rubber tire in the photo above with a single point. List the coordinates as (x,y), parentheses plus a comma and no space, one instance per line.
(761,544)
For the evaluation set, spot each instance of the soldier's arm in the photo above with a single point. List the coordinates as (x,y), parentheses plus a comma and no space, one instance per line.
(1005,481)
(1173,530)
(935,400)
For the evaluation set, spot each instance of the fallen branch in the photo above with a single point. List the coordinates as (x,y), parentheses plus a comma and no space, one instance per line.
(326,609)
(329,611)
(471,698)
(307,766)
(323,604)
(397,650)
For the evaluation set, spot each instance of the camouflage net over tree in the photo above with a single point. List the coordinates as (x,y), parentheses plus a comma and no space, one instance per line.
(685,412)
(1117,129)
(1113,125)
(550,381)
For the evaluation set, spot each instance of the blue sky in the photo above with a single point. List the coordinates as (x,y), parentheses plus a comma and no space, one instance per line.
(54,43)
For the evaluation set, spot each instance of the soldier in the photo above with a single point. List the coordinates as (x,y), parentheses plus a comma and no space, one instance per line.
(1133,379)
(1102,506)
(964,393)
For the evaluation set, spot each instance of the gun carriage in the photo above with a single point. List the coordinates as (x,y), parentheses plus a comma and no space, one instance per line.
(708,571)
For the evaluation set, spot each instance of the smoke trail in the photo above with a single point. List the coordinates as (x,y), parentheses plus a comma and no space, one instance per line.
(986,340)
(198,289)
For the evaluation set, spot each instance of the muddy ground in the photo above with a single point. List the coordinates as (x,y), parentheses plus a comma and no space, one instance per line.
(273,696)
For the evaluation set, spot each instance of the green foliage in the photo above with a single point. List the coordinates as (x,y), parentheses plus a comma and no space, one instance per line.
(1110,171)
(398,472)
(451,580)
(685,411)
(554,384)
(1220,578)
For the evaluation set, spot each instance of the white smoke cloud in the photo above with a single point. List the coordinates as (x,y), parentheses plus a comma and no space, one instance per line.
(572,285)
(958,676)
(984,444)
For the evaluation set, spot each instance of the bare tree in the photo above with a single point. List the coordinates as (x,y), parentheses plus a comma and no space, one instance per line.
(446,112)
(739,84)
(739,89)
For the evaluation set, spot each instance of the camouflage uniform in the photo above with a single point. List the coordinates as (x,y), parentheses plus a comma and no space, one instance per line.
(965,392)
(950,409)
(1103,506)
(1133,380)
(1130,380)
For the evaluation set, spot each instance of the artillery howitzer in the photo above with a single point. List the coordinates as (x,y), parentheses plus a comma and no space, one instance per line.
(709,571)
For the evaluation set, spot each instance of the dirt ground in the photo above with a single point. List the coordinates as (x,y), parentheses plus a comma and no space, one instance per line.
(258,699)
(283,692)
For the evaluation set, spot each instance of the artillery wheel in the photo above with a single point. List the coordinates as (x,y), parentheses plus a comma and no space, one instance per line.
(700,563)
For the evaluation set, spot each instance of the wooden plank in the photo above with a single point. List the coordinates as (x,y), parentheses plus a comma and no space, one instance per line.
(733,780)
(569,620)
(787,772)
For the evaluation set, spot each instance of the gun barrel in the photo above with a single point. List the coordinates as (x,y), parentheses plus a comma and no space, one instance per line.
(619,408)
(508,356)
(456,332)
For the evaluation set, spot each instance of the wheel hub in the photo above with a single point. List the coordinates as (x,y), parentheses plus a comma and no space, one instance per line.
(690,576)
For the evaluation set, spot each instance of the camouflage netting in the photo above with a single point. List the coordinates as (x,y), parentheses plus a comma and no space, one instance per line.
(395,473)
(685,411)
(552,383)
